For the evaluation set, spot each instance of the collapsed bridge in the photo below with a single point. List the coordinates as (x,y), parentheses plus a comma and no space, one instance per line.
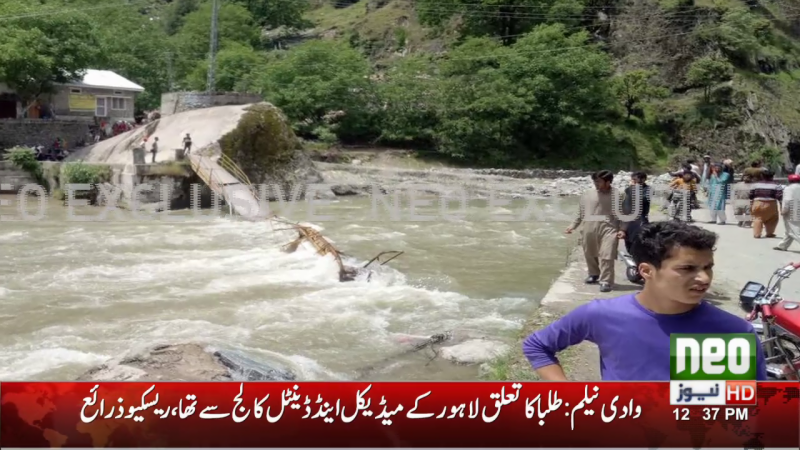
(229,182)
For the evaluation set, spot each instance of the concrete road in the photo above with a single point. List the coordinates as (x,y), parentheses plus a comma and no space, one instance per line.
(741,258)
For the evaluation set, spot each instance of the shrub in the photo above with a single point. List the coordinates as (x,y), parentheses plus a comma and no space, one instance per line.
(80,173)
(25,159)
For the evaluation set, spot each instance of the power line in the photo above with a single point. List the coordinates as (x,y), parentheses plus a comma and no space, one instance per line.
(170,71)
(672,17)
(684,15)
(469,8)
(447,57)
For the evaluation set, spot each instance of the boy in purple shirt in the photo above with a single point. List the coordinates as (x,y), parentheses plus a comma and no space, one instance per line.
(632,332)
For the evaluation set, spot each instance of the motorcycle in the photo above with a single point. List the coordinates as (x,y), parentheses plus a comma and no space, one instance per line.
(631,268)
(51,154)
(777,321)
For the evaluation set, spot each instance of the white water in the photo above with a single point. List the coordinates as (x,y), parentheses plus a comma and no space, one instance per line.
(73,295)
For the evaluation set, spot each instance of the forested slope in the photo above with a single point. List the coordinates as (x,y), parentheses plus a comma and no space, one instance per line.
(567,83)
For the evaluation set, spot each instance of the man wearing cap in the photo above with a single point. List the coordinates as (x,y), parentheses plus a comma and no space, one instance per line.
(791,212)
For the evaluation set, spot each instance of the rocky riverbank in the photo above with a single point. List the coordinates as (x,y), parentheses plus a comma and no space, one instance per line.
(357,179)
(195,362)
(185,362)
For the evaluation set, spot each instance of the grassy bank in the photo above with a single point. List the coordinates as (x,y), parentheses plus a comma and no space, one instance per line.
(513,366)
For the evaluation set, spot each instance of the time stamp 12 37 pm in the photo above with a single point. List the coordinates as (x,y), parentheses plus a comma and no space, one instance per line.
(715,372)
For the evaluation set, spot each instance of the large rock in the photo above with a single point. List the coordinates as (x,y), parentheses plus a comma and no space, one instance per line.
(264,145)
(474,351)
(185,362)
(464,347)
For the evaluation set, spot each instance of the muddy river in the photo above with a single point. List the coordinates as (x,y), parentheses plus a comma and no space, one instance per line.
(76,293)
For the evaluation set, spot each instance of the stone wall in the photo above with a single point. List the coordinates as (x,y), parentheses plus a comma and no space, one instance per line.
(31,132)
(176,102)
(12,179)
(126,177)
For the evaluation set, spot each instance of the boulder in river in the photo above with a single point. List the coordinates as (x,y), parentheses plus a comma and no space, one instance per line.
(185,362)
(464,347)
(474,351)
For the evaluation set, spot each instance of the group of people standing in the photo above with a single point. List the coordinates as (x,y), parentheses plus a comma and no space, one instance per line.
(758,196)
(715,178)
(763,200)
(187,145)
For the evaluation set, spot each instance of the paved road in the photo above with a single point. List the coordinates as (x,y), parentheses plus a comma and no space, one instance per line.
(740,257)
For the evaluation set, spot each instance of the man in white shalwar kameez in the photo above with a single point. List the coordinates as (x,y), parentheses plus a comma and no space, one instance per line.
(790,210)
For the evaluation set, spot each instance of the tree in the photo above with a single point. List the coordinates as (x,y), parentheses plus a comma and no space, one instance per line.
(738,34)
(410,96)
(234,63)
(530,100)
(39,52)
(635,86)
(708,71)
(568,12)
(235,24)
(507,19)
(565,74)
(275,13)
(319,77)
(174,18)
(137,48)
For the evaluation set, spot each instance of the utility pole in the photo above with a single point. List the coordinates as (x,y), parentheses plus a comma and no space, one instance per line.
(170,73)
(212,56)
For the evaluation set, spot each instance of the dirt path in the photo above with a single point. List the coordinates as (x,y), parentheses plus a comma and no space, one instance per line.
(739,258)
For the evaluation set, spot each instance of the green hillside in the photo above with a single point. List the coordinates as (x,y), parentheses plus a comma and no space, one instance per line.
(561,83)
(689,78)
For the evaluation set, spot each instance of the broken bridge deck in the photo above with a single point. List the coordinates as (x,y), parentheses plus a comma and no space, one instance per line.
(236,190)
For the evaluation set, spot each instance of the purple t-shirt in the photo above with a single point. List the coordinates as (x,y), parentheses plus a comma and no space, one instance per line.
(633,341)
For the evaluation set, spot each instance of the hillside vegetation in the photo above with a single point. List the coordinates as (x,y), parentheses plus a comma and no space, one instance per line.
(561,83)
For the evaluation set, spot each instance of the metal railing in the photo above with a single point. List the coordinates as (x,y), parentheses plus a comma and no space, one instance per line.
(227,163)
(233,169)
(206,171)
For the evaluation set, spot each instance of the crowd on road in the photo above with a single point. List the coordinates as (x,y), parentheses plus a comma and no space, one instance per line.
(759,203)
(673,259)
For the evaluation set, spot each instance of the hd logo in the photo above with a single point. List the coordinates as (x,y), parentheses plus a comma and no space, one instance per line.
(713,369)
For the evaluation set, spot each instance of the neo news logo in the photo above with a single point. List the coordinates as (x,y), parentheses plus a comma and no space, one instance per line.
(713,369)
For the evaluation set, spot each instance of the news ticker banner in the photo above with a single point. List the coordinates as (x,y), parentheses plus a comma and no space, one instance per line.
(356,414)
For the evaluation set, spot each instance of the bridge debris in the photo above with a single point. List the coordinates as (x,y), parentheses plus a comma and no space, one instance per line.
(324,247)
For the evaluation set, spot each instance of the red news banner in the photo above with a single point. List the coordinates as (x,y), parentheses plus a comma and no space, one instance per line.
(316,414)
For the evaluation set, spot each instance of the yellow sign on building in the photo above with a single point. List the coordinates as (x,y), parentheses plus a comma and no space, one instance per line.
(82,102)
